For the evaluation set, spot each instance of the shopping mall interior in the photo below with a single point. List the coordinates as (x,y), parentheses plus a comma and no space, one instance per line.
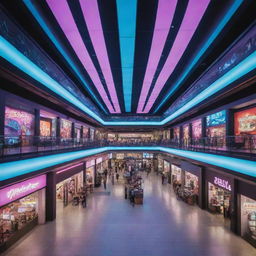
(128,127)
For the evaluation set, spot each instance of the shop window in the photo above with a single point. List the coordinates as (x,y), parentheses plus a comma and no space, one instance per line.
(248,219)
(65,129)
(16,215)
(197,129)
(18,122)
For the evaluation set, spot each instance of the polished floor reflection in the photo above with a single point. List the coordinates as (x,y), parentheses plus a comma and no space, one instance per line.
(110,226)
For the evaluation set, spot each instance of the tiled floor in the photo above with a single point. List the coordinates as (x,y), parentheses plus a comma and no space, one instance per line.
(110,226)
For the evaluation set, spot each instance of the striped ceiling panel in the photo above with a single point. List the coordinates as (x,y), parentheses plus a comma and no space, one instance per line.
(131,56)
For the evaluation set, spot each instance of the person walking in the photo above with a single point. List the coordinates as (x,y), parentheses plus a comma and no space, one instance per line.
(113,178)
(163,178)
(117,176)
(105,182)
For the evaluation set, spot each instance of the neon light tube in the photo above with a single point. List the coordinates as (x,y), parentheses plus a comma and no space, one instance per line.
(63,15)
(58,45)
(12,55)
(21,167)
(91,14)
(206,45)
(190,22)
(126,15)
(164,17)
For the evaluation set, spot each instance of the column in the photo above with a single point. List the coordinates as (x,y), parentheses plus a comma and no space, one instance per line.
(73,130)
(41,206)
(230,128)
(58,130)
(2,112)
(234,226)
(95,173)
(202,197)
(51,196)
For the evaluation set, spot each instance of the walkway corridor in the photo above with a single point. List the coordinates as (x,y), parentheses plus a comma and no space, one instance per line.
(110,226)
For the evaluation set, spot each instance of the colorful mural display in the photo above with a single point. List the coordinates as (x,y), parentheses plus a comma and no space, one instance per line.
(45,128)
(65,129)
(245,122)
(216,119)
(197,129)
(18,122)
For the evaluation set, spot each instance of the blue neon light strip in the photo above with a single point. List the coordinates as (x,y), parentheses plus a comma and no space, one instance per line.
(126,14)
(21,167)
(58,45)
(203,49)
(12,55)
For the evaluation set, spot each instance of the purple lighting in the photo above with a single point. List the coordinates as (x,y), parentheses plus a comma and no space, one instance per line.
(92,18)
(193,15)
(22,189)
(63,15)
(165,13)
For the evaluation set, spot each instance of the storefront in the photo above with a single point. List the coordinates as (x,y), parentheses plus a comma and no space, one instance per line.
(68,188)
(186,134)
(196,129)
(248,219)
(65,129)
(90,172)
(216,128)
(160,165)
(219,190)
(176,133)
(48,124)
(176,174)
(22,208)
(77,132)
(245,128)
(167,171)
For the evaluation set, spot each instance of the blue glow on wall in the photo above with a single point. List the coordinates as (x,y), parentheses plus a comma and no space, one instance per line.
(126,14)
(12,55)
(58,45)
(21,167)
(203,49)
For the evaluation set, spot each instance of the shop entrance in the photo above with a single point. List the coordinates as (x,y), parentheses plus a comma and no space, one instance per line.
(67,189)
(219,201)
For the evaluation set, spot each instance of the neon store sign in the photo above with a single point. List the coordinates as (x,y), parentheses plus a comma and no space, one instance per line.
(222,183)
(22,189)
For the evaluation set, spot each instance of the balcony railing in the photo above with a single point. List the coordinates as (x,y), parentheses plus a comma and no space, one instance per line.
(16,145)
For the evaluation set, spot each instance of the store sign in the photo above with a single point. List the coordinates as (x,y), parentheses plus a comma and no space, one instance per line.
(22,189)
(90,163)
(98,160)
(222,183)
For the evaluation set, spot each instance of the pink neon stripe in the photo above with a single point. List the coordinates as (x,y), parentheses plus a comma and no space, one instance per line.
(92,18)
(63,15)
(193,15)
(165,13)
(68,168)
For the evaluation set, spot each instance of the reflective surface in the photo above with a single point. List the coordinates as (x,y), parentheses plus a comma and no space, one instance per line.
(110,226)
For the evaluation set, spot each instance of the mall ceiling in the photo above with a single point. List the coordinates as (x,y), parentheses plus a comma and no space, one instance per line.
(133,56)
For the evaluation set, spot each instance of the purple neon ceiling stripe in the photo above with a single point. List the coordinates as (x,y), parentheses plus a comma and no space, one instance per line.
(191,20)
(63,15)
(164,17)
(91,14)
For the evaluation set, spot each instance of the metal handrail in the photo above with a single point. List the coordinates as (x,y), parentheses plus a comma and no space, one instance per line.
(12,145)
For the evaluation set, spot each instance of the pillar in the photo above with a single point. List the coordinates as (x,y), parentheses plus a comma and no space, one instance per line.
(41,206)
(51,196)
(2,112)
(73,130)
(202,197)
(234,225)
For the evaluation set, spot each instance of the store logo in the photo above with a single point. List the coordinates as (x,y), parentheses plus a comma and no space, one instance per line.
(222,183)
(14,193)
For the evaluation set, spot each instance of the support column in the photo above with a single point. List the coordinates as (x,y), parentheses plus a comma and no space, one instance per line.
(51,197)
(41,206)
(2,112)
(73,130)
(202,200)
(234,208)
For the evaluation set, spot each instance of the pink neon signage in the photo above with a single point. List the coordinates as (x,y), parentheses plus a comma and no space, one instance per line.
(165,13)
(64,16)
(191,20)
(222,183)
(22,189)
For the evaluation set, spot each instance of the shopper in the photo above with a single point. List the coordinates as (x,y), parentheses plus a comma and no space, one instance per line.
(113,178)
(163,178)
(117,176)
(105,182)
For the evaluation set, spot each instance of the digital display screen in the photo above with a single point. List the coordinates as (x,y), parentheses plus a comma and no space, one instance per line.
(216,119)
